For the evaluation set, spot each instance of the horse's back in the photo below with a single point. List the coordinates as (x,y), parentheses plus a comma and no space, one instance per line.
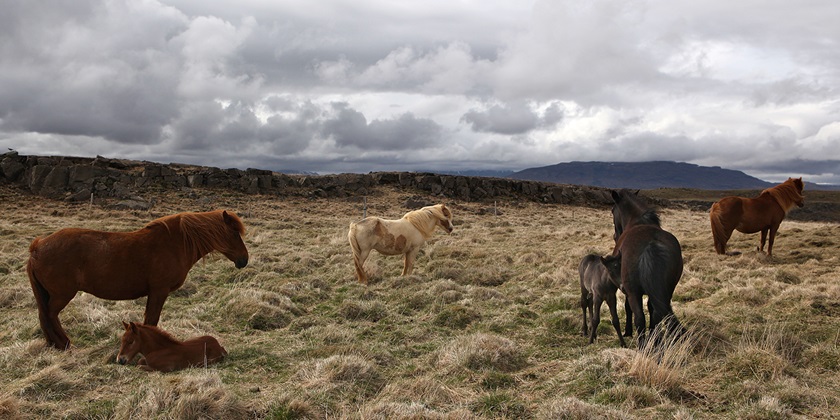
(590,270)
(109,265)
(389,237)
(651,252)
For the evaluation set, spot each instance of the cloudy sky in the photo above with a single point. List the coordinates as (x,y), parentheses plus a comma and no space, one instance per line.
(358,86)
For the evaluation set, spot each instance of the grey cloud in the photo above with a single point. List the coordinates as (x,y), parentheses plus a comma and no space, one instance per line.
(237,128)
(77,81)
(512,119)
(350,128)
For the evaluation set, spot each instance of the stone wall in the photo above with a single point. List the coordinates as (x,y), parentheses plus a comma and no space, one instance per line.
(76,178)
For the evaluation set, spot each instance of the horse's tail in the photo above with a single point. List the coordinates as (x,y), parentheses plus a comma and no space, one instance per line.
(660,268)
(719,233)
(42,296)
(357,252)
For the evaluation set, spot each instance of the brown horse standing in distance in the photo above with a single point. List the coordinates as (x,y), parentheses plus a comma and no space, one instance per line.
(164,353)
(600,278)
(394,237)
(750,215)
(152,262)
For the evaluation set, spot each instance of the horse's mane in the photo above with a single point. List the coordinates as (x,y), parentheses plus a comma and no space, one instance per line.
(420,219)
(650,217)
(159,332)
(787,194)
(203,232)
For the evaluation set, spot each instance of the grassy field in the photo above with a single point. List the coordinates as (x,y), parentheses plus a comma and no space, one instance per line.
(488,326)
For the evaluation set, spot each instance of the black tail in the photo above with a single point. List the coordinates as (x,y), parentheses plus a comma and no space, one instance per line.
(660,268)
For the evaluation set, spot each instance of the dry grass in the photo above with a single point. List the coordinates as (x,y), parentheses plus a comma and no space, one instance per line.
(487,327)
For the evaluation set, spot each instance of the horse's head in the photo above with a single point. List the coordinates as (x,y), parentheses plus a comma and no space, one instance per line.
(445,217)
(797,182)
(233,247)
(629,209)
(129,343)
(613,265)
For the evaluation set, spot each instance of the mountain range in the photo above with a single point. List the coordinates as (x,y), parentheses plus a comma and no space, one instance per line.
(647,175)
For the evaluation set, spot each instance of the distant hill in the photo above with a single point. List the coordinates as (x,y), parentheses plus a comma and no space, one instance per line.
(643,175)
(477,172)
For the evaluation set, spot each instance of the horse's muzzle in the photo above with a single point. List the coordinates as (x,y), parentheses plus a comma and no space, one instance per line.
(240,263)
(121,360)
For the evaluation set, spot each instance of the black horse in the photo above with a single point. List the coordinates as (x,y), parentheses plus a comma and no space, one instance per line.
(600,278)
(651,262)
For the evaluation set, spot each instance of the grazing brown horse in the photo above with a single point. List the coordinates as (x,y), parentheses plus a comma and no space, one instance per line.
(152,262)
(596,286)
(651,262)
(750,215)
(394,237)
(164,353)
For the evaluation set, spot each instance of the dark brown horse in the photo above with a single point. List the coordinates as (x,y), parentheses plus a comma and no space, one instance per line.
(164,353)
(152,262)
(750,215)
(597,286)
(651,262)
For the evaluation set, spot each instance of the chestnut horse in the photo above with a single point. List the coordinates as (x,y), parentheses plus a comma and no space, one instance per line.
(750,215)
(164,353)
(597,285)
(152,262)
(651,262)
(393,237)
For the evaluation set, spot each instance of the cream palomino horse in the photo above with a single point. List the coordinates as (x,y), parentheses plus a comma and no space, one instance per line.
(393,237)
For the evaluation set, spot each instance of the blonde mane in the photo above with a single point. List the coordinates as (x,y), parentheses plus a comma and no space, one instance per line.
(425,219)
(203,232)
(787,194)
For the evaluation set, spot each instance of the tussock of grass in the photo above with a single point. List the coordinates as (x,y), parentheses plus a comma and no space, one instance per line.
(261,310)
(482,351)
(343,374)
(195,394)
(659,364)
(574,409)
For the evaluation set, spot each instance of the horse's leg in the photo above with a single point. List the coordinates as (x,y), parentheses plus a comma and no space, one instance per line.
(773,229)
(408,261)
(763,240)
(611,302)
(584,304)
(655,319)
(639,315)
(154,304)
(628,315)
(359,262)
(597,300)
(56,335)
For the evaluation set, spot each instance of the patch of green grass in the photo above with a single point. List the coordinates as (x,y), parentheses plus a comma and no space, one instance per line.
(457,317)
(502,405)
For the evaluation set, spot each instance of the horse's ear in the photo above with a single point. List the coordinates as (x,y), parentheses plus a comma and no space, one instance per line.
(615,196)
(133,327)
(225,216)
(637,192)
(125,325)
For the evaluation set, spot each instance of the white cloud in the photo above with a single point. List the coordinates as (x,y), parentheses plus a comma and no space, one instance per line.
(425,85)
